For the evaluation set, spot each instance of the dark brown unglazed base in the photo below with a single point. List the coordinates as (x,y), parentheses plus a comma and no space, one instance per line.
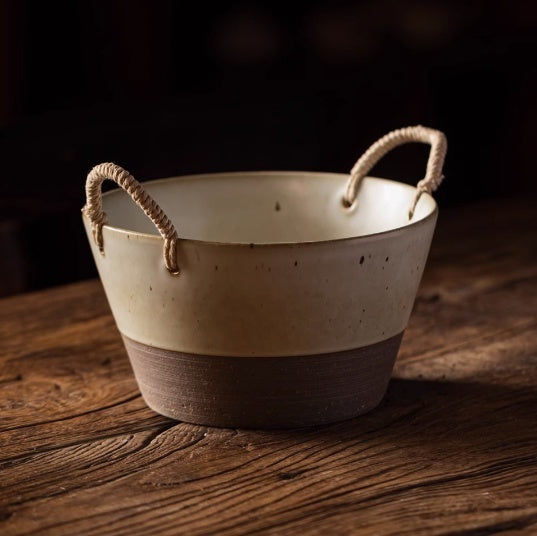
(263,392)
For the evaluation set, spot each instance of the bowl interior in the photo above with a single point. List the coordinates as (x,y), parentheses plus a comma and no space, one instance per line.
(270,207)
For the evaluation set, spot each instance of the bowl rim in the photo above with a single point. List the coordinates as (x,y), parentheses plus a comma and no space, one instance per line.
(222,175)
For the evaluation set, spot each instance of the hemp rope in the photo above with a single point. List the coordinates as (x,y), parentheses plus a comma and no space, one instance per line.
(433,175)
(94,209)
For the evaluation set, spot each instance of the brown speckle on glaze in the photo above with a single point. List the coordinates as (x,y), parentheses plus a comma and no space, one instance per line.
(150,288)
(216,267)
(296,263)
(251,246)
(277,207)
(362,259)
(387,259)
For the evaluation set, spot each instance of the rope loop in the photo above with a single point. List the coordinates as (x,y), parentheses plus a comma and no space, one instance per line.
(433,175)
(93,209)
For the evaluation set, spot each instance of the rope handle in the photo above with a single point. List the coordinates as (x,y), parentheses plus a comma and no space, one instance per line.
(433,175)
(93,209)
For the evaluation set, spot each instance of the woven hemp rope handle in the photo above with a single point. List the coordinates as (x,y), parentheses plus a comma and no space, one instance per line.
(433,175)
(94,209)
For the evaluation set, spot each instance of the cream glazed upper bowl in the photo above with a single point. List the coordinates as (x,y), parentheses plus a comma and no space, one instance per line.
(264,299)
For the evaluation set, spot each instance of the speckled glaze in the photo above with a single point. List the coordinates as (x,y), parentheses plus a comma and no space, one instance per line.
(272,265)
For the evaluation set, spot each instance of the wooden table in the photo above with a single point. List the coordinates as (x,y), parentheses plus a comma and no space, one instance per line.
(451,450)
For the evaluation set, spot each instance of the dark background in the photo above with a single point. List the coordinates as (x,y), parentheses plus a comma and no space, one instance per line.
(166,88)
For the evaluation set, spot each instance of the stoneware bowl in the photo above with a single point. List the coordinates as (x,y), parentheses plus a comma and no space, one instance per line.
(264,299)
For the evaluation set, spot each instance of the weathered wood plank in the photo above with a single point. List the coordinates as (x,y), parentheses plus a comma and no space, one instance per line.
(451,450)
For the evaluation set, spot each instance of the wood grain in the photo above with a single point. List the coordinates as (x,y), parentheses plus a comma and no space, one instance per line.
(451,450)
